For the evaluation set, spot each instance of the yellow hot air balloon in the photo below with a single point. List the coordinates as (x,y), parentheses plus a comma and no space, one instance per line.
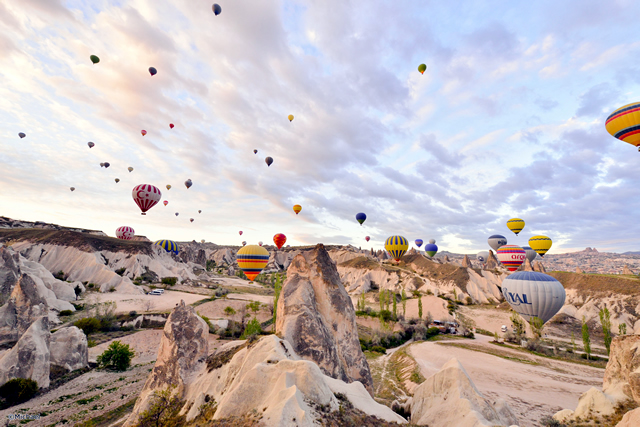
(168,187)
(297,209)
(396,246)
(540,244)
(624,124)
(516,225)
(252,259)
(290,117)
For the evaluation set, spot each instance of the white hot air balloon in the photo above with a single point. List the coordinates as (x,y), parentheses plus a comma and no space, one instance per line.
(482,256)
(531,254)
(496,241)
(532,294)
(432,241)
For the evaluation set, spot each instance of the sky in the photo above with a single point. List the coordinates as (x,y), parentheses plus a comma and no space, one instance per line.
(507,121)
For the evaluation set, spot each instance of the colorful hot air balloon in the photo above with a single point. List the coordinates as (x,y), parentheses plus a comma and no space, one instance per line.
(422,68)
(130,169)
(143,132)
(496,241)
(21,135)
(146,196)
(168,187)
(171,125)
(125,233)
(431,249)
(297,209)
(260,243)
(153,71)
(255,151)
(166,202)
(419,242)
(202,241)
(279,239)
(482,256)
(290,117)
(240,232)
(94,59)
(244,243)
(72,188)
(532,294)
(361,217)
(531,254)
(540,244)
(252,259)
(217,10)
(367,238)
(168,245)
(624,124)
(516,225)
(191,219)
(188,183)
(511,256)
(396,246)
(268,161)
(90,144)
(117,180)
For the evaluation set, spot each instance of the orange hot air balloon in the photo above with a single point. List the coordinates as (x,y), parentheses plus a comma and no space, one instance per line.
(279,239)
(165,202)
(143,132)
(297,209)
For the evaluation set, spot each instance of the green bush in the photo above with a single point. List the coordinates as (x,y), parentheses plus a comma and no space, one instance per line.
(386,315)
(432,331)
(379,349)
(169,281)
(91,343)
(253,328)
(121,271)
(88,325)
(91,285)
(18,390)
(117,357)
(66,313)
(59,275)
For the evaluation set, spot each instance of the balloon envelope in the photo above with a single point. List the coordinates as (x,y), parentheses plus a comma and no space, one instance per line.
(130,169)
(125,233)
(367,238)
(419,242)
(290,117)
(117,180)
(516,225)
(146,196)
(531,254)
(91,144)
(72,188)
(511,256)
(240,232)
(623,123)
(153,71)
(143,132)
(422,68)
(432,241)
(279,239)
(244,243)
(268,161)
(216,9)
(21,135)
(297,209)
(361,217)
(107,164)
(396,246)
(166,202)
(168,187)
(540,244)
(496,241)
(482,256)
(255,151)
(94,59)
(191,219)
(532,294)
(431,249)
(199,211)
(260,243)
(171,125)
(188,183)
(252,259)
(168,245)
(177,214)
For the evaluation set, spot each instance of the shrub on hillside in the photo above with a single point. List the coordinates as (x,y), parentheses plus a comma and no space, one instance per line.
(18,390)
(117,357)
(379,349)
(169,281)
(253,328)
(121,271)
(88,325)
(66,313)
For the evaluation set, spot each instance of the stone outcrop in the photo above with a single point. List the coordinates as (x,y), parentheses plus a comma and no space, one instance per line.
(539,267)
(9,272)
(449,398)
(466,263)
(527,265)
(492,262)
(29,358)
(68,348)
(630,419)
(24,306)
(627,270)
(579,270)
(316,316)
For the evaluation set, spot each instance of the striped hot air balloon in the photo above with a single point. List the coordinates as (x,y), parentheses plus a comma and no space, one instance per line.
(540,244)
(511,256)
(146,196)
(532,294)
(396,246)
(297,209)
(431,249)
(125,233)
(624,124)
(168,245)
(252,259)
(419,242)
(279,239)
(516,225)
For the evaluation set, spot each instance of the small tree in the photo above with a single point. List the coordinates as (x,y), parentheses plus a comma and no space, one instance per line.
(88,325)
(420,306)
(404,302)
(362,301)
(117,357)
(518,325)
(622,329)
(253,328)
(243,315)
(395,307)
(148,305)
(229,311)
(254,306)
(381,299)
(387,299)
(277,287)
(573,341)
(536,324)
(586,341)
(18,390)
(78,291)
(605,320)
(164,410)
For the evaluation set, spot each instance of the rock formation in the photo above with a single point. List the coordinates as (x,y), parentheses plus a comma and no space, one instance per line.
(627,270)
(630,419)
(579,270)
(466,263)
(492,262)
(29,358)
(449,398)
(316,316)
(24,306)
(527,265)
(446,259)
(9,272)
(68,348)
(539,267)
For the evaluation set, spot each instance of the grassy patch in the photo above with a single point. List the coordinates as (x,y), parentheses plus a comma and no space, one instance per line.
(588,284)
(361,262)
(570,357)
(493,352)
(110,417)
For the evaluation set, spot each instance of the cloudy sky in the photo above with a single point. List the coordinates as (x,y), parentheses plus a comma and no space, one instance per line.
(507,121)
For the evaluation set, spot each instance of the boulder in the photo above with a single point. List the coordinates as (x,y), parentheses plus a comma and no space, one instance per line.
(449,398)
(592,403)
(316,316)
(622,375)
(24,306)
(29,358)
(630,419)
(69,349)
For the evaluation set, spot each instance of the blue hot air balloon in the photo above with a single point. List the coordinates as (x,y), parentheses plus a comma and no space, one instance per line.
(361,217)
(216,9)
(168,245)
(419,242)
(532,294)
(431,249)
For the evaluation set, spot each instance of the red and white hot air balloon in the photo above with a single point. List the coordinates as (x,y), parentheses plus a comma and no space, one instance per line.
(125,233)
(511,256)
(165,202)
(146,196)
(367,238)
(143,132)
(240,232)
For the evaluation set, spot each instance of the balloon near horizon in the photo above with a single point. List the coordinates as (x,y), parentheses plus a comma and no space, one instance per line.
(125,232)
(168,245)
(396,246)
(511,256)
(279,239)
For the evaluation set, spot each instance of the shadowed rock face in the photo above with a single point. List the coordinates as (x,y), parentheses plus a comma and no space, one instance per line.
(69,349)
(23,307)
(315,314)
(622,376)
(29,358)
(492,262)
(9,272)
(466,263)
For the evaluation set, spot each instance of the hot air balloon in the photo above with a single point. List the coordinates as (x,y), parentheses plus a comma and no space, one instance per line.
(94,59)
(125,233)
(168,245)
(216,9)
(511,256)
(143,132)
(290,117)
(188,183)
(117,180)
(432,241)
(130,169)
(153,71)
(396,246)
(101,165)
(531,254)
(252,259)
(171,125)
(166,202)
(199,211)
(279,239)
(431,249)
(540,244)
(91,144)
(168,187)
(516,225)
(496,241)
(191,219)
(422,68)
(361,217)
(297,209)
(532,294)
(260,243)
(202,241)
(367,238)
(268,161)
(482,256)
(244,243)
(624,123)
(107,164)
(419,242)
(240,232)
(177,214)
(146,196)
(72,188)
(21,135)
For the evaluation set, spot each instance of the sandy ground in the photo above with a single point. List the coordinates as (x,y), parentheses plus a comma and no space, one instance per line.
(488,318)
(126,302)
(531,391)
(265,299)
(436,306)
(215,310)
